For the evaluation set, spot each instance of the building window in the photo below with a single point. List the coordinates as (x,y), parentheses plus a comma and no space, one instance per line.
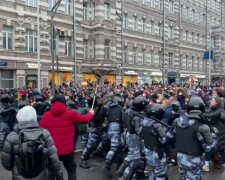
(171,6)
(187,35)
(51,4)
(192,63)
(198,63)
(7,38)
(170,32)
(68,6)
(85,49)
(125,54)
(93,11)
(135,23)
(160,4)
(93,49)
(106,49)
(151,27)
(143,25)
(193,38)
(7,79)
(106,11)
(144,57)
(31,41)
(191,14)
(32,3)
(170,63)
(187,67)
(159,28)
(144,2)
(198,39)
(125,21)
(185,12)
(152,3)
(85,10)
(68,47)
(134,57)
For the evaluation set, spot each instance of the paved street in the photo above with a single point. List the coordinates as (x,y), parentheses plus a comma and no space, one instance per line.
(95,174)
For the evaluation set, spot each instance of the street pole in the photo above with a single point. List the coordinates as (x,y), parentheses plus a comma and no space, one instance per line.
(210,47)
(38,47)
(74,43)
(164,19)
(53,10)
(122,62)
(180,66)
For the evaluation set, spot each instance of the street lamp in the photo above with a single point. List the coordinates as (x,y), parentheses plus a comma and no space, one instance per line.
(53,10)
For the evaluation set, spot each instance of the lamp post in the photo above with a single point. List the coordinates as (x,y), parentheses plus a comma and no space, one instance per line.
(53,10)
(38,46)
(164,45)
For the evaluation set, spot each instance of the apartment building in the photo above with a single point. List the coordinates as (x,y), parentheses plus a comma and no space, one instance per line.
(186,36)
(130,40)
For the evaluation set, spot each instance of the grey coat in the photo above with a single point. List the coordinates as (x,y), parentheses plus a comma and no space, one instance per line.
(10,153)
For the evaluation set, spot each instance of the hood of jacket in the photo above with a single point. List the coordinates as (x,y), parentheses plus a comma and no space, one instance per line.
(26,125)
(58,108)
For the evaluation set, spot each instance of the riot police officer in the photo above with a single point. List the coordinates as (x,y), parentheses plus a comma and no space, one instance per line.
(193,138)
(154,136)
(114,129)
(96,133)
(133,161)
(40,106)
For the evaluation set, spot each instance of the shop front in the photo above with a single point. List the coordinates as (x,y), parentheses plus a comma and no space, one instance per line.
(156,77)
(88,78)
(190,78)
(109,79)
(63,74)
(130,77)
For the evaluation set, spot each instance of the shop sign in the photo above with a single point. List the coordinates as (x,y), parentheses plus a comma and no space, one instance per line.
(32,65)
(200,76)
(184,75)
(156,73)
(3,63)
(63,68)
(131,72)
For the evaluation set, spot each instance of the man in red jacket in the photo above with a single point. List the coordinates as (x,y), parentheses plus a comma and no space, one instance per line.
(60,123)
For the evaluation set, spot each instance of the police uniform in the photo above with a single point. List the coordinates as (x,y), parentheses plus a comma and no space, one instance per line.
(193,138)
(133,162)
(96,135)
(114,130)
(154,137)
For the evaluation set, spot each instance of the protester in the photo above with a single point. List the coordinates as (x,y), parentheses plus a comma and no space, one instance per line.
(60,123)
(15,149)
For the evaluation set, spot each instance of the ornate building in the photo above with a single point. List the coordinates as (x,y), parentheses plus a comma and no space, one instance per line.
(131,40)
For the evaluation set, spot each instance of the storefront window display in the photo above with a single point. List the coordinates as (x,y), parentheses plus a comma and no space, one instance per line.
(7,79)
(109,79)
(130,79)
(31,81)
(60,77)
(88,78)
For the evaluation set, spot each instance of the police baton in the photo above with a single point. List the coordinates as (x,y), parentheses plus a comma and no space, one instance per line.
(98,77)
(141,116)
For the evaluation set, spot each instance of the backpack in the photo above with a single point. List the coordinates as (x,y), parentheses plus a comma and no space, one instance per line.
(32,154)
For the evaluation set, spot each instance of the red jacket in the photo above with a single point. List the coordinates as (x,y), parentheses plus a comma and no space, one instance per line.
(60,123)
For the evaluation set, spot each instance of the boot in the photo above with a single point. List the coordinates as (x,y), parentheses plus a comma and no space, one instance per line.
(84,164)
(106,171)
(121,169)
(217,161)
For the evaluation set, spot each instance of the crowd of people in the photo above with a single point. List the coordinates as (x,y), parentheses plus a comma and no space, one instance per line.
(134,127)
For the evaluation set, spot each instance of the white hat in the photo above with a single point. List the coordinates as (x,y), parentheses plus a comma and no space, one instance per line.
(27,113)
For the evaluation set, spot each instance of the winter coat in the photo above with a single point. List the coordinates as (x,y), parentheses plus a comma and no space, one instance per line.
(60,123)
(11,148)
(219,123)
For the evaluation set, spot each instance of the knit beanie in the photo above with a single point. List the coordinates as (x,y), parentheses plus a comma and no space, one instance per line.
(27,113)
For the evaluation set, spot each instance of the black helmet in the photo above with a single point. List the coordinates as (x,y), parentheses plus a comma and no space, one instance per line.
(70,104)
(139,103)
(39,98)
(117,99)
(5,98)
(22,104)
(196,103)
(156,111)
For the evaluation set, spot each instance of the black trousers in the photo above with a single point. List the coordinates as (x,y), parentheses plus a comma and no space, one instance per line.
(70,165)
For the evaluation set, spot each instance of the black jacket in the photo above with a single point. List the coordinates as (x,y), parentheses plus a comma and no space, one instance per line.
(10,153)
